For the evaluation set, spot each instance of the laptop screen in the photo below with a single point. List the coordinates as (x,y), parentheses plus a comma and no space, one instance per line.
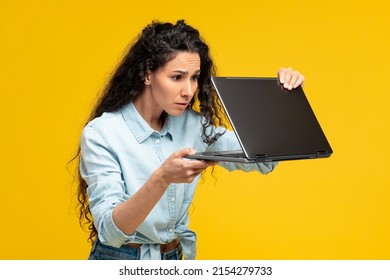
(270,120)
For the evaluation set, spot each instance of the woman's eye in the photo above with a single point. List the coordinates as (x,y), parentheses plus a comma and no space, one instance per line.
(195,78)
(176,78)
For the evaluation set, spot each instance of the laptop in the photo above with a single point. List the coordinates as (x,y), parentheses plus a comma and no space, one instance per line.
(270,122)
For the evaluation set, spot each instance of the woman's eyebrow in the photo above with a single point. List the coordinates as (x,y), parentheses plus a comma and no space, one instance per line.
(185,72)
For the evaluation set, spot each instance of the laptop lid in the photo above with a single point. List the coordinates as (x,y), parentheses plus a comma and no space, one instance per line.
(270,122)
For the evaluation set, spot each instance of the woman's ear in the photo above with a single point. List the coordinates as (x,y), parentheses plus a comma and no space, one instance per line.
(147,77)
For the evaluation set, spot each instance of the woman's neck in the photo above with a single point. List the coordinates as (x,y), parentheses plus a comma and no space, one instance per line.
(149,110)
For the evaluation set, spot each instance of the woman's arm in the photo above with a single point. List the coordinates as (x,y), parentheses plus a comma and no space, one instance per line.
(131,213)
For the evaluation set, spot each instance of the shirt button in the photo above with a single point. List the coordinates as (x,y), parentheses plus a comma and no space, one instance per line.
(173,199)
(170,230)
(157,141)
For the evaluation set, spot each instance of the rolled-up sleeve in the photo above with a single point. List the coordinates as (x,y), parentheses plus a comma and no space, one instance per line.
(101,170)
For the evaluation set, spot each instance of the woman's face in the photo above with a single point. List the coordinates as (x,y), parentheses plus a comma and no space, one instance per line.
(173,85)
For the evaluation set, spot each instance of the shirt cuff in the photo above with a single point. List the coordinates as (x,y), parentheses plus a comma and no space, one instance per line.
(110,234)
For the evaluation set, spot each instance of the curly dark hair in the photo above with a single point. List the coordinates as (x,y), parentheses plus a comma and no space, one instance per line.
(157,44)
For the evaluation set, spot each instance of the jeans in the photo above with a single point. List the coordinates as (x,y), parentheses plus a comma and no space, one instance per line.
(104,252)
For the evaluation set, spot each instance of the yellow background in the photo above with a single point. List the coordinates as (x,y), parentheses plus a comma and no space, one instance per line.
(56,55)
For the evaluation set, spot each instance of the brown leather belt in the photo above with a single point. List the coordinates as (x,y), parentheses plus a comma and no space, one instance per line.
(163,247)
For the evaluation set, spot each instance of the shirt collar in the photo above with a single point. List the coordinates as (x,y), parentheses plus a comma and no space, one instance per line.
(140,128)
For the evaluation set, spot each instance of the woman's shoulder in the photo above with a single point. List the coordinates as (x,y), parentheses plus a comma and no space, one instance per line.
(106,121)
(109,127)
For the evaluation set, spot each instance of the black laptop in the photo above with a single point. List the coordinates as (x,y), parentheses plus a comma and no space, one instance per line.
(270,122)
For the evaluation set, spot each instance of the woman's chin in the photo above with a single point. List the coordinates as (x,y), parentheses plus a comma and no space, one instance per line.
(175,113)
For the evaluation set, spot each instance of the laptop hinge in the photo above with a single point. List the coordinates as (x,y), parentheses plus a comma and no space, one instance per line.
(261,156)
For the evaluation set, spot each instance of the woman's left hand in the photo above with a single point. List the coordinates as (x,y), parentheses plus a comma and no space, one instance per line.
(289,78)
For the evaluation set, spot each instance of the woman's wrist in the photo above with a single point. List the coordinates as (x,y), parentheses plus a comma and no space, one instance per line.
(160,179)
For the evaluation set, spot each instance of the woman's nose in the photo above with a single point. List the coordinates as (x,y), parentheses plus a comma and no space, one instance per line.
(188,89)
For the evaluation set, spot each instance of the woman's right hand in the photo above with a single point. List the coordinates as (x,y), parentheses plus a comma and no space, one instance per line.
(130,214)
(177,169)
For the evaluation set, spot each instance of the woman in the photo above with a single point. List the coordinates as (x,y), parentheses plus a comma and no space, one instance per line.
(134,183)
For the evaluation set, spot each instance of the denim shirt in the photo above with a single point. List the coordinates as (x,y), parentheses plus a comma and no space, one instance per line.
(120,151)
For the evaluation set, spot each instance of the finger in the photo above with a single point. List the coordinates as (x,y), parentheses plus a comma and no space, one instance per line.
(203,168)
(200,164)
(282,75)
(196,173)
(299,81)
(210,163)
(184,152)
(294,79)
(190,175)
(289,74)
